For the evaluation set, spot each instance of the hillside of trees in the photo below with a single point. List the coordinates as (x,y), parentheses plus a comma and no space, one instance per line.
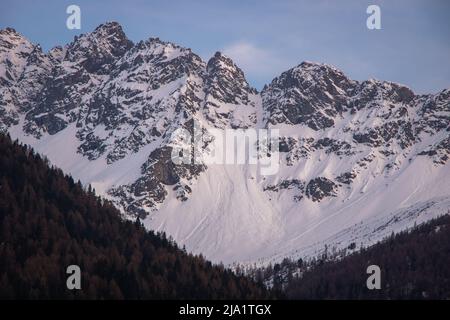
(48,222)
(414,264)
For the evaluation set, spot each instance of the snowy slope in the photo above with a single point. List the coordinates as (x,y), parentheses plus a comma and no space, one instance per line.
(359,160)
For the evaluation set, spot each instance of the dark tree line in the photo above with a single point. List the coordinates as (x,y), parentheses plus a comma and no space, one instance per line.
(48,222)
(414,264)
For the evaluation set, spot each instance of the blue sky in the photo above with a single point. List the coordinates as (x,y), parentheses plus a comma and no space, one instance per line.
(266,38)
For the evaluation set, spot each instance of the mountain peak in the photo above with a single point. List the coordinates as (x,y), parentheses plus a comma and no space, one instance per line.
(226,83)
(8,30)
(223,66)
(109,29)
(225,75)
(312,76)
(109,25)
(14,52)
(109,32)
(102,46)
(220,61)
(392,91)
(10,37)
(218,55)
(318,69)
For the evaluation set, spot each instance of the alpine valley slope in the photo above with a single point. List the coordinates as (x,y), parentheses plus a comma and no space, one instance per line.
(359,160)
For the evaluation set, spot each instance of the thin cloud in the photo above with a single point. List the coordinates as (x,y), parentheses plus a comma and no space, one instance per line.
(256,62)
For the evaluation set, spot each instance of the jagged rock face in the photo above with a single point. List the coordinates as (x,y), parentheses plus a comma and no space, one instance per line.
(113,108)
(150,92)
(96,52)
(333,146)
(228,100)
(346,177)
(319,188)
(319,97)
(120,98)
(150,189)
(433,112)
(308,94)
(370,92)
(15,51)
(298,186)
(23,75)
(439,152)
(363,125)
(77,72)
(226,82)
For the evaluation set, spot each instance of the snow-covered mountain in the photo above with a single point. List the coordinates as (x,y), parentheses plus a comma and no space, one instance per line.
(359,160)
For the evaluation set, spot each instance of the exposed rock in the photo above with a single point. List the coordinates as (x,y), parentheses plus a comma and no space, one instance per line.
(346,177)
(319,188)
